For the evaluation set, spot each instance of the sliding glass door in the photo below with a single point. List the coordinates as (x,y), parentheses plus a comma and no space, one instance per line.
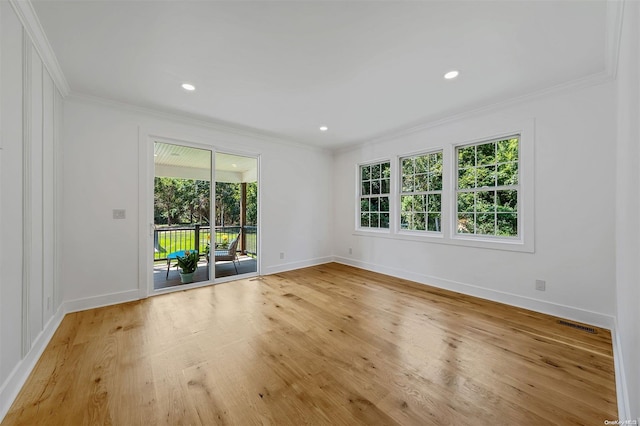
(235,248)
(181,215)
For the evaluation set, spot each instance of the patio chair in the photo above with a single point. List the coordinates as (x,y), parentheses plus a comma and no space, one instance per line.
(229,254)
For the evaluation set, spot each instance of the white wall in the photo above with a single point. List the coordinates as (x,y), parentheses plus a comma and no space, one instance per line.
(29,118)
(574,183)
(627,207)
(100,255)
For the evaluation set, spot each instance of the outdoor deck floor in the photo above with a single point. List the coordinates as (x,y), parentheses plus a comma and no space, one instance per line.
(223,269)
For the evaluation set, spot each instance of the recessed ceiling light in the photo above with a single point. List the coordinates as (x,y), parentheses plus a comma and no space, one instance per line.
(451,75)
(189,87)
(323,128)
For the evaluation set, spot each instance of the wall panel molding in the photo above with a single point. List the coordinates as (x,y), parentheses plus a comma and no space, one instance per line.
(57,188)
(26,190)
(33,28)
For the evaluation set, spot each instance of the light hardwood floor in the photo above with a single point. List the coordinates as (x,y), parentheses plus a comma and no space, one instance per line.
(324,345)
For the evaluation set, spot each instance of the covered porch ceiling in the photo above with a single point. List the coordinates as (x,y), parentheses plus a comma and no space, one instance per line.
(178,161)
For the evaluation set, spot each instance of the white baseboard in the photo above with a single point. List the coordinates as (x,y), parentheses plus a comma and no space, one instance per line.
(542,306)
(624,409)
(555,309)
(12,386)
(100,301)
(275,269)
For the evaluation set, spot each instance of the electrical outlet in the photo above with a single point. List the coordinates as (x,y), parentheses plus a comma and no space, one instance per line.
(119,213)
(281,255)
(541,285)
(350,251)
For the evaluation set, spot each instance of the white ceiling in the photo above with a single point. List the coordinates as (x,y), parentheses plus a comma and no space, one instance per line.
(363,68)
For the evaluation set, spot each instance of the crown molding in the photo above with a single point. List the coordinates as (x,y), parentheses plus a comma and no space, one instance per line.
(31,23)
(195,120)
(469,112)
(615,12)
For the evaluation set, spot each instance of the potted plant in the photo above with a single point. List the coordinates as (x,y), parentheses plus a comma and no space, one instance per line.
(188,265)
(224,243)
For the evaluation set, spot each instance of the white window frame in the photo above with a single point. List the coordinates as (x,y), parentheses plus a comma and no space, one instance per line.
(360,228)
(400,193)
(525,240)
(493,188)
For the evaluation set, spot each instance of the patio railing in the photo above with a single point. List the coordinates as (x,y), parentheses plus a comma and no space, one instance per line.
(169,239)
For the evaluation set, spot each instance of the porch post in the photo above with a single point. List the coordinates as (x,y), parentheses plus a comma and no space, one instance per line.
(243,217)
(196,239)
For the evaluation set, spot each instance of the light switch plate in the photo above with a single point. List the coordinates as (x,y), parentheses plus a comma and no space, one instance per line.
(119,213)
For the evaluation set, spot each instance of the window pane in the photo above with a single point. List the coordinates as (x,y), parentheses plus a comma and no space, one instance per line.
(435,182)
(482,169)
(375,186)
(467,178)
(485,201)
(486,176)
(435,162)
(374,180)
(384,204)
(466,202)
(419,203)
(386,186)
(419,222)
(507,150)
(422,174)
(486,224)
(407,203)
(433,222)
(375,204)
(508,174)
(507,201)
(405,220)
(487,153)
(466,223)
(365,172)
(508,224)
(407,166)
(384,220)
(420,183)
(364,219)
(374,220)
(422,164)
(375,171)
(467,157)
(435,204)
(407,184)
(386,170)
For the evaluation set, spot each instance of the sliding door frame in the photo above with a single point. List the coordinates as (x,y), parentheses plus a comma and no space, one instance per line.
(259,224)
(146,175)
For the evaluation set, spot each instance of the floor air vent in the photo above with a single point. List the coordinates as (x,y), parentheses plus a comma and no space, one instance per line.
(578,326)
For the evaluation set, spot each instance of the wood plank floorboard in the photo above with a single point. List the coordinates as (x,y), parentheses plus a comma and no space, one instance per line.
(324,345)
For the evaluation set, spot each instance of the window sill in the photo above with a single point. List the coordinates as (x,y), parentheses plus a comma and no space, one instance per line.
(439,238)
(373,231)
